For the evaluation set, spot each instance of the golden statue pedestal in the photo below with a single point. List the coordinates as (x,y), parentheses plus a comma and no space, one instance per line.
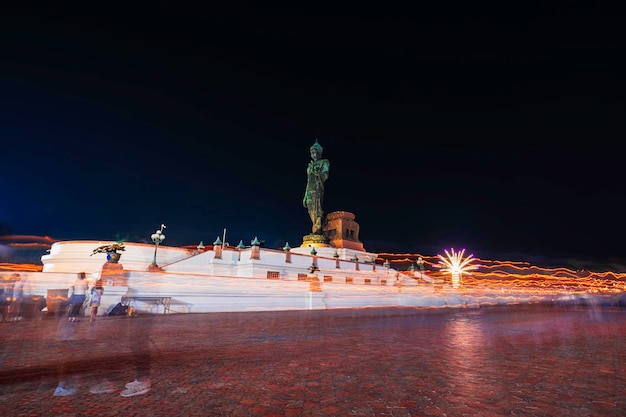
(314,240)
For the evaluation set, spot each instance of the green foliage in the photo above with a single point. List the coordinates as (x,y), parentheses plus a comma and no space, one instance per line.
(112,248)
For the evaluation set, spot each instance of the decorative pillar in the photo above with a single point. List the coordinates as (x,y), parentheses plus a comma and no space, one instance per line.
(240,247)
(200,247)
(287,250)
(256,249)
(218,247)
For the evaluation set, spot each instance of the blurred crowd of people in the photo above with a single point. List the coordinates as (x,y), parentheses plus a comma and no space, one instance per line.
(81,301)
(11,297)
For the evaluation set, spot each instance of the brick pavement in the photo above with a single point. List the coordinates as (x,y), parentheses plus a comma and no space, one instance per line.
(495,361)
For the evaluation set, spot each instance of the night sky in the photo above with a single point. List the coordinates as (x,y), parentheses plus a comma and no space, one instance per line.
(496,129)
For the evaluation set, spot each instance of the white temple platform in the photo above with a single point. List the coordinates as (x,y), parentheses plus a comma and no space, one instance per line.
(250,279)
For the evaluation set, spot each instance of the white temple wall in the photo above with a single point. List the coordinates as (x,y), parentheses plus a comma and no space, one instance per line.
(76,256)
(199,293)
(200,282)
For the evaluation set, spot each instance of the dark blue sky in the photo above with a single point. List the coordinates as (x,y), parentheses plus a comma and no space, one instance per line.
(498,130)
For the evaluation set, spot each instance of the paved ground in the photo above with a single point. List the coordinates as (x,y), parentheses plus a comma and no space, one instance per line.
(495,361)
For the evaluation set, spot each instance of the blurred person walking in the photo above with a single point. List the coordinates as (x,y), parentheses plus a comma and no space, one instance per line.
(95,299)
(15,307)
(67,341)
(137,331)
(76,300)
(6,295)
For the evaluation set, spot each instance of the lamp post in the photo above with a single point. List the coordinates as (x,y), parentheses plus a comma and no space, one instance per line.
(420,263)
(157,237)
(313,268)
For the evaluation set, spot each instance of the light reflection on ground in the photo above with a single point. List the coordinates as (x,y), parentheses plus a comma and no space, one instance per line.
(515,360)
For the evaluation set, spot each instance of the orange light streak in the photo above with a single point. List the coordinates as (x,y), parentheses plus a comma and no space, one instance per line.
(515,277)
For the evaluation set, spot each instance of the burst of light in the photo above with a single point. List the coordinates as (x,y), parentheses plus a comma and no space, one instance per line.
(455,264)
